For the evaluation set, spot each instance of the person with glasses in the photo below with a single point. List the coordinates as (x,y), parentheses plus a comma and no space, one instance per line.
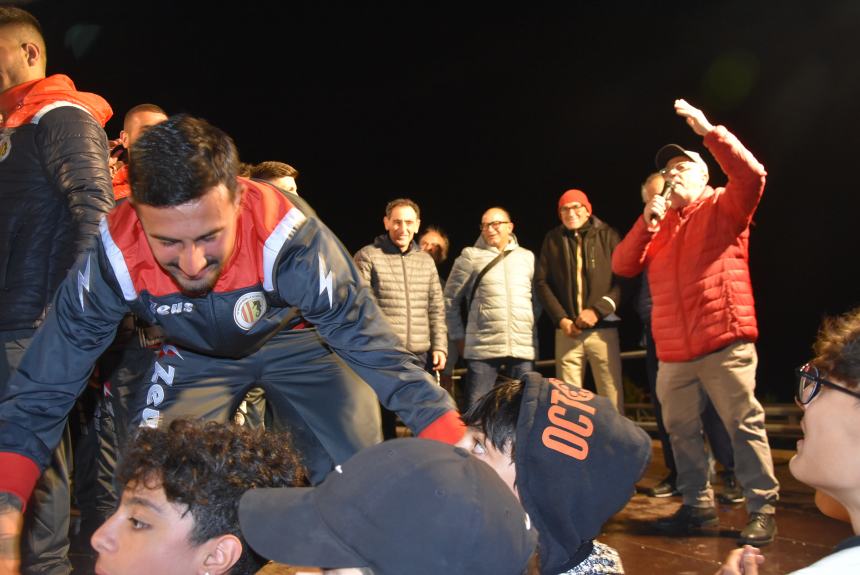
(828,457)
(405,283)
(694,241)
(576,287)
(718,438)
(494,279)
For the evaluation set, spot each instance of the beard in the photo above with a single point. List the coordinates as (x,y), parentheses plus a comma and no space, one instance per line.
(199,286)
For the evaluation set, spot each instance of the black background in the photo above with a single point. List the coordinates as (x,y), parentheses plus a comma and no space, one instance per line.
(465,105)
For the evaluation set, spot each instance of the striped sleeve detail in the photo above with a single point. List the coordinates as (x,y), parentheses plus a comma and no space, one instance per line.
(611,302)
(285,229)
(117,262)
(53,106)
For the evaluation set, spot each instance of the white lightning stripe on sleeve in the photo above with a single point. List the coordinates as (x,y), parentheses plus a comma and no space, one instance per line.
(326,281)
(84,282)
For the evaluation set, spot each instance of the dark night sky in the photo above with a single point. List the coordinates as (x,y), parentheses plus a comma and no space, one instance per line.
(464,105)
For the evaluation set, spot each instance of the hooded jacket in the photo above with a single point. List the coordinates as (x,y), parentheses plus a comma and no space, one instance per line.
(54,188)
(698,262)
(577,462)
(501,320)
(407,288)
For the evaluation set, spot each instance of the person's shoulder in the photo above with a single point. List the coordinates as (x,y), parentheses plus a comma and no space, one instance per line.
(367,251)
(554,232)
(602,227)
(472,252)
(524,251)
(63,118)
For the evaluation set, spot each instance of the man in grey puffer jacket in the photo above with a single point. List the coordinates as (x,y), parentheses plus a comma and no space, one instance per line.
(500,330)
(406,286)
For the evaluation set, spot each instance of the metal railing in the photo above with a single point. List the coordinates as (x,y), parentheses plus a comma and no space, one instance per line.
(781,419)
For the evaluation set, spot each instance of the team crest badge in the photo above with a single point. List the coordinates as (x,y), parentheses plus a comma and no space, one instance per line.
(5,144)
(249,309)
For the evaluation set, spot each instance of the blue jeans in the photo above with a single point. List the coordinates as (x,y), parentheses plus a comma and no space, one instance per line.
(481,374)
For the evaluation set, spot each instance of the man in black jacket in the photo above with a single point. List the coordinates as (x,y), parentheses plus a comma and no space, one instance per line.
(54,189)
(576,287)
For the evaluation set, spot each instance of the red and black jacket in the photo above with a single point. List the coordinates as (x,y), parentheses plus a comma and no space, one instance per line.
(287,267)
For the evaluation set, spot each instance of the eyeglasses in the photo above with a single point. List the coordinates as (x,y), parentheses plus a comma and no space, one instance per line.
(679,168)
(495,225)
(572,208)
(809,383)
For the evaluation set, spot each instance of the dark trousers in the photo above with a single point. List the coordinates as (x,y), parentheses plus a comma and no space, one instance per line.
(122,370)
(388,419)
(481,374)
(45,538)
(715,431)
(330,411)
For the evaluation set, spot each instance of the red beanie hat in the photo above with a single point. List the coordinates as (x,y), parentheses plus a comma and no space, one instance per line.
(574,196)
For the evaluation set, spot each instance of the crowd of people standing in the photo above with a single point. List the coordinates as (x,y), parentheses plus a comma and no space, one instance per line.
(202,288)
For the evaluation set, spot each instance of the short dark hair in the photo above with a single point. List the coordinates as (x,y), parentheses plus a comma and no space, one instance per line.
(207,466)
(837,348)
(180,160)
(153,108)
(496,413)
(402,202)
(12,15)
(271,170)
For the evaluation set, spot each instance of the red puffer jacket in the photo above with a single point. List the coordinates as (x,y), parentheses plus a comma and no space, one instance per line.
(698,263)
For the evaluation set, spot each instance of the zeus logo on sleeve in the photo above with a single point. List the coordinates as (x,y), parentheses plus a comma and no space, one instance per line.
(570,420)
(155,395)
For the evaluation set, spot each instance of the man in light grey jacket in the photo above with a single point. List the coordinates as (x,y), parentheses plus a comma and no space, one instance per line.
(500,332)
(405,283)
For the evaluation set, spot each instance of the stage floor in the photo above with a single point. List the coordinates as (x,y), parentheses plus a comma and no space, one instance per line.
(804,535)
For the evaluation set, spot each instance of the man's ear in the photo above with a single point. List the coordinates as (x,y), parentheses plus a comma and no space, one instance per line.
(385,223)
(34,53)
(123,139)
(221,554)
(237,197)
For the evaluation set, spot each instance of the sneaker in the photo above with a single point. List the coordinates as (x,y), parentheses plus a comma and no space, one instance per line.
(665,488)
(688,518)
(760,530)
(732,491)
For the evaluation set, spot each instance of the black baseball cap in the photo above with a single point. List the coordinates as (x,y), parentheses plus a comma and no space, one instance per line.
(577,461)
(403,506)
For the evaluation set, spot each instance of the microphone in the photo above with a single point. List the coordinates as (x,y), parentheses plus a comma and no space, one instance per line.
(668,186)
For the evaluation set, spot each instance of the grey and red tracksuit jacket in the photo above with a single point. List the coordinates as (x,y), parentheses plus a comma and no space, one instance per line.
(287,268)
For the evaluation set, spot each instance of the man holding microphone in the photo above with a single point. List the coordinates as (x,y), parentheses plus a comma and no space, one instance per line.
(695,243)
